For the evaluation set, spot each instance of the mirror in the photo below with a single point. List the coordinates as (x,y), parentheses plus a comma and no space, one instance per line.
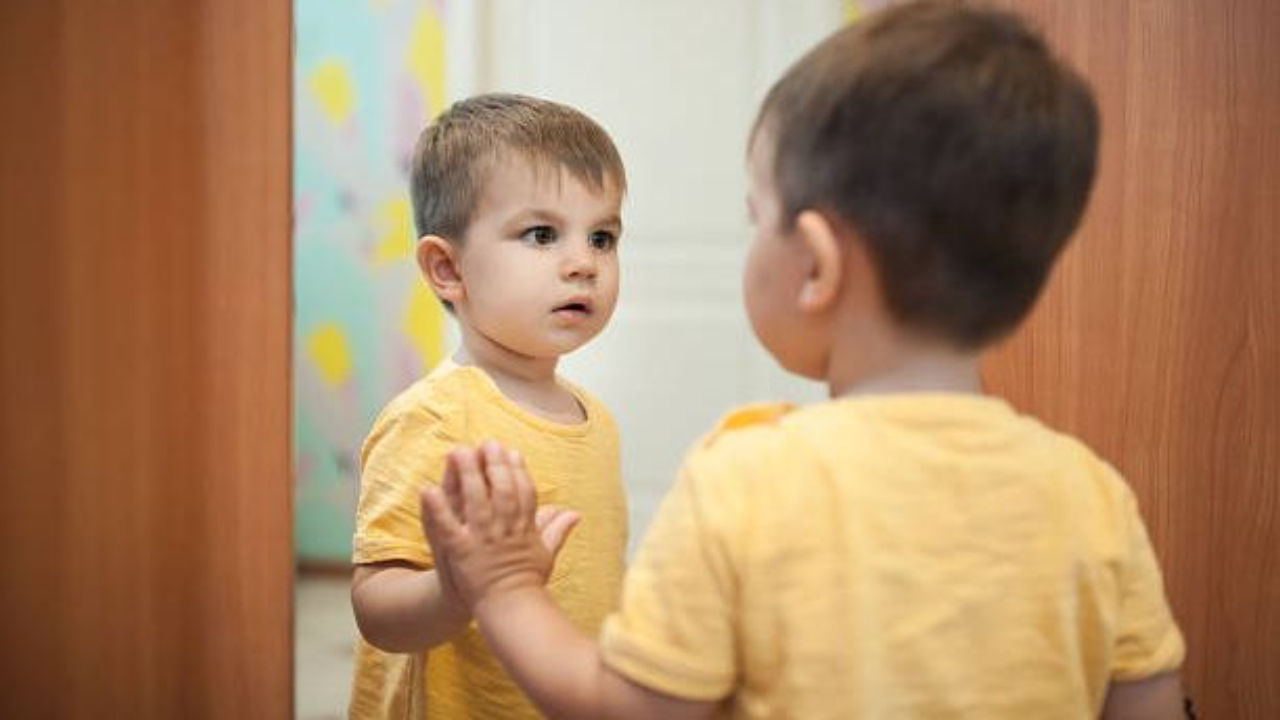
(676,85)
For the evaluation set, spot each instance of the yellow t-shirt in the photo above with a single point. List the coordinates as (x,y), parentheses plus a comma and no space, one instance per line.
(573,466)
(909,556)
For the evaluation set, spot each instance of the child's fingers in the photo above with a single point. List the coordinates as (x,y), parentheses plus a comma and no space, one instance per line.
(526,495)
(452,486)
(544,515)
(431,529)
(475,492)
(559,523)
(438,520)
(506,507)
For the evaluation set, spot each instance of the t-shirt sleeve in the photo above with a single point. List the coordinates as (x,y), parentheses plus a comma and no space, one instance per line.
(1148,641)
(675,630)
(406,449)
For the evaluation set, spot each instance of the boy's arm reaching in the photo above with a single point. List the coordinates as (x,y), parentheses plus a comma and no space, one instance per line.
(499,550)
(561,669)
(401,608)
(401,604)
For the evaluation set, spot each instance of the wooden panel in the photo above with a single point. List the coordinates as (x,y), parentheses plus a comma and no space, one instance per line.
(144,211)
(1158,340)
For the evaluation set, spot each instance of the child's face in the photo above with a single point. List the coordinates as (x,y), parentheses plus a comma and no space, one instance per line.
(539,262)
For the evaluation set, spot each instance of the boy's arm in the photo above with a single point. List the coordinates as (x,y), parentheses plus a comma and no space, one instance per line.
(1156,698)
(1149,647)
(500,551)
(401,603)
(561,669)
(401,608)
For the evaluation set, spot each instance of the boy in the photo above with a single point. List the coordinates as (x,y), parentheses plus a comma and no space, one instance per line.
(517,203)
(911,548)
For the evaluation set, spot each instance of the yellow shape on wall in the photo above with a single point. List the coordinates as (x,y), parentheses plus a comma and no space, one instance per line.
(330,352)
(424,325)
(331,85)
(852,11)
(426,59)
(395,238)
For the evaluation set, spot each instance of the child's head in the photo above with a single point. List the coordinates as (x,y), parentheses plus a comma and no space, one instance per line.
(517,204)
(951,145)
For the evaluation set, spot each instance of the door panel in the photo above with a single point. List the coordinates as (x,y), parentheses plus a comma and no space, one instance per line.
(144,430)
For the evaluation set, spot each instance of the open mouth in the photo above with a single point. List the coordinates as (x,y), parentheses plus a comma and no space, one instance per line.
(574,308)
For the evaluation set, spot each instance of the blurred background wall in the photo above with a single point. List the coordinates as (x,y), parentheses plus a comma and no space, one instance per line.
(366,77)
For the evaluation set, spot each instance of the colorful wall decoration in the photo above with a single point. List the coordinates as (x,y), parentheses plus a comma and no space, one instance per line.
(855,9)
(367,76)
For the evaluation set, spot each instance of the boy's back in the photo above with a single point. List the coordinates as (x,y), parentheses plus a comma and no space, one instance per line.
(932,555)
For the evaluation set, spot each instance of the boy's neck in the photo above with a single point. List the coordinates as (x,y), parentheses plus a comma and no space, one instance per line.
(530,382)
(509,367)
(890,363)
(503,362)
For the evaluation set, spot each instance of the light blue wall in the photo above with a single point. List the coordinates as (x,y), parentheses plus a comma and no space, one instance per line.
(367,76)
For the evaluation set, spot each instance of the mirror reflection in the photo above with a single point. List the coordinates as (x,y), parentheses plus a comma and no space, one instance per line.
(674,85)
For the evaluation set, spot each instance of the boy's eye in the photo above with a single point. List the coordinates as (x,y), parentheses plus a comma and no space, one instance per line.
(539,235)
(603,240)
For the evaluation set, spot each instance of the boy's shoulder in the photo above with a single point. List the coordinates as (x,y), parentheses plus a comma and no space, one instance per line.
(444,385)
(754,435)
(454,397)
(431,401)
(745,438)
(755,415)
(758,426)
(752,421)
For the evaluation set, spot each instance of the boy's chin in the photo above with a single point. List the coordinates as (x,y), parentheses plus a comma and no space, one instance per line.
(817,374)
(805,367)
(576,341)
(791,358)
(556,349)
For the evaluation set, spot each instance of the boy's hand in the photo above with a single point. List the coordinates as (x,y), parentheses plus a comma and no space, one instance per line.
(485,528)
(448,587)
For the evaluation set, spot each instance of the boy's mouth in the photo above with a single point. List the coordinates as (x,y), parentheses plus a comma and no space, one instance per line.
(575,308)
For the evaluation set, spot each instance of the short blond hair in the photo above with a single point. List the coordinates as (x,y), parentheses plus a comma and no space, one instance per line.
(455,152)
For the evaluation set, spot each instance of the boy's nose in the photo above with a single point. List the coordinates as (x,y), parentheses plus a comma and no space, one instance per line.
(580,261)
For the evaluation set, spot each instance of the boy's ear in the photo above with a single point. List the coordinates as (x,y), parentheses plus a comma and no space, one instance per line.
(822,244)
(437,258)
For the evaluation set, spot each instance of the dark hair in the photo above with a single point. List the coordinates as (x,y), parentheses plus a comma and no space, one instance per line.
(457,149)
(954,144)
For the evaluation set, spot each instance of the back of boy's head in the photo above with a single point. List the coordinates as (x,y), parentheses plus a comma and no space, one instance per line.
(950,140)
(457,150)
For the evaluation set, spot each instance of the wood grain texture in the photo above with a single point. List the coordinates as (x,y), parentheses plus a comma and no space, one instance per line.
(1158,340)
(146,495)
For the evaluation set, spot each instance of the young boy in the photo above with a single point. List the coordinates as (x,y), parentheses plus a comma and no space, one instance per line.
(517,203)
(911,548)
